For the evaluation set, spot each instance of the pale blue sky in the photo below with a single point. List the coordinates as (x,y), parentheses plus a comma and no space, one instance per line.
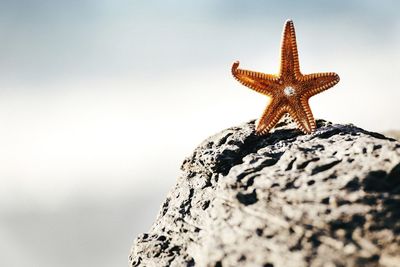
(51,41)
(101,100)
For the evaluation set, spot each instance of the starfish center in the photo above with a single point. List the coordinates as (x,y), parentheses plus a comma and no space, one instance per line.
(289,91)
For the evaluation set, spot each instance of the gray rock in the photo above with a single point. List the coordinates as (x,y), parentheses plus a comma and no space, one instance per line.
(393,134)
(331,198)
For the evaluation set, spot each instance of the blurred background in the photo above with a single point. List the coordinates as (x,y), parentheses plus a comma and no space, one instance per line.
(101,100)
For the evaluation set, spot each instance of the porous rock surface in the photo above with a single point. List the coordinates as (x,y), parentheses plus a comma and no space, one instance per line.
(331,198)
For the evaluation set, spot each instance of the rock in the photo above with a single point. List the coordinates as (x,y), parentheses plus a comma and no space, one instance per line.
(331,198)
(393,134)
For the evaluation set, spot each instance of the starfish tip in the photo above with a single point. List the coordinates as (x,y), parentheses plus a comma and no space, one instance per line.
(288,21)
(235,65)
(337,77)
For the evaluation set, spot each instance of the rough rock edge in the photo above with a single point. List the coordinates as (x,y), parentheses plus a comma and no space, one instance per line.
(236,172)
(395,134)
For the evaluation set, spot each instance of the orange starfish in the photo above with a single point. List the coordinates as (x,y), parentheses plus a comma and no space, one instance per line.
(289,90)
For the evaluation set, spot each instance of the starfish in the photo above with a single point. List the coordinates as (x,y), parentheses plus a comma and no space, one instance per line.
(289,90)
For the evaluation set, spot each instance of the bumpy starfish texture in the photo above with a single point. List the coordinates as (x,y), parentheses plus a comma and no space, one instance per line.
(289,90)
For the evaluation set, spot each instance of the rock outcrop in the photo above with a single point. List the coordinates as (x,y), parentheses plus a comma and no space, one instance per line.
(331,198)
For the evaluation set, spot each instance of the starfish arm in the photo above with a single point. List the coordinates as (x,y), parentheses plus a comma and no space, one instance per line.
(300,111)
(270,117)
(259,82)
(318,82)
(289,57)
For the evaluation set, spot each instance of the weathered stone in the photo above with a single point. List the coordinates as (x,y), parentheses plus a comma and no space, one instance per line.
(393,134)
(331,198)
